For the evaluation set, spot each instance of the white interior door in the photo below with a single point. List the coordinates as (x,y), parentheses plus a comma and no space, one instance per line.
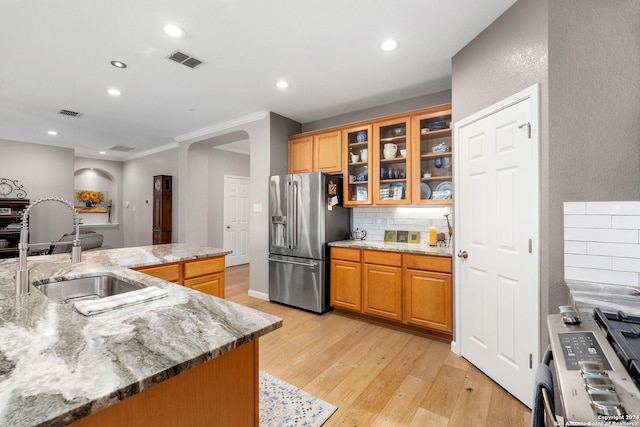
(236,219)
(496,267)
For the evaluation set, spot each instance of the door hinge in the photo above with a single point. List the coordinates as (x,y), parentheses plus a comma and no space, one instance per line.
(528,126)
(530,246)
(530,361)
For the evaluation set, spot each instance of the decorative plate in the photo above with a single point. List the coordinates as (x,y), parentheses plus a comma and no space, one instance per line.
(425,191)
(445,186)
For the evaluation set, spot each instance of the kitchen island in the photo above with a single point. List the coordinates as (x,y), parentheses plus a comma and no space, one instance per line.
(186,359)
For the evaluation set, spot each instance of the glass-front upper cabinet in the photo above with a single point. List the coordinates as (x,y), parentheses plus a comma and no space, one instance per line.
(432,154)
(356,162)
(392,152)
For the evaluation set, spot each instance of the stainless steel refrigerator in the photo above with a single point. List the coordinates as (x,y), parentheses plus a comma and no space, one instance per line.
(306,213)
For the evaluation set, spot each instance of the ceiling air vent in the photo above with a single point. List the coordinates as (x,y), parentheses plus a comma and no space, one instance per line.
(184,59)
(69,113)
(120,148)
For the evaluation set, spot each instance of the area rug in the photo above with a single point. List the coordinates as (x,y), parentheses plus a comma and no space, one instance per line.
(283,405)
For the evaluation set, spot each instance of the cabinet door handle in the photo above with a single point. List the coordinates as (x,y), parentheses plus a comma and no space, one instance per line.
(463,254)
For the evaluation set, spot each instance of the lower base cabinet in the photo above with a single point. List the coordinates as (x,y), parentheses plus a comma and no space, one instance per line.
(428,300)
(404,289)
(382,284)
(205,275)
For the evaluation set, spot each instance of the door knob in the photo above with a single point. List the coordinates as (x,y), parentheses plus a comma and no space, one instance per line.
(463,254)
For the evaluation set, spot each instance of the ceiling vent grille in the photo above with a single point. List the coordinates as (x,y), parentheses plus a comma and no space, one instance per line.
(69,113)
(120,148)
(184,59)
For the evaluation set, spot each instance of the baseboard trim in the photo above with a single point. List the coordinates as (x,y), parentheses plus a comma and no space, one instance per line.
(259,295)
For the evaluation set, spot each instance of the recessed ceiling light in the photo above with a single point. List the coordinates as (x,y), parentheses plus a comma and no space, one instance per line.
(118,64)
(282,84)
(114,92)
(174,31)
(102,152)
(52,132)
(389,45)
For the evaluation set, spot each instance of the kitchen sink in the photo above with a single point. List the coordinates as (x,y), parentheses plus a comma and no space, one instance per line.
(86,288)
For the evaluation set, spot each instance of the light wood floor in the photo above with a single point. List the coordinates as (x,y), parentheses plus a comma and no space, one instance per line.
(374,375)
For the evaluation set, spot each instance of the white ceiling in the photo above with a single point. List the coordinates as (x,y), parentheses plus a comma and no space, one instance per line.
(56,55)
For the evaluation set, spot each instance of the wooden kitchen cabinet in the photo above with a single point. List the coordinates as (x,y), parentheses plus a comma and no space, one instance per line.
(316,153)
(406,291)
(382,284)
(301,154)
(346,279)
(327,152)
(391,179)
(391,138)
(205,275)
(432,155)
(358,181)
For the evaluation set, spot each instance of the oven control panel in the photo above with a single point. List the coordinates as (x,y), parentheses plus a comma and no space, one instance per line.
(593,383)
(581,346)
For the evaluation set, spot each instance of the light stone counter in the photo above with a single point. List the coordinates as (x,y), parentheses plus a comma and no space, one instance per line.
(57,366)
(394,247)
(585,296)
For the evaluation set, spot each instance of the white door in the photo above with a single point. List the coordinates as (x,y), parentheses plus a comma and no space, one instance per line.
(236,219)
(496,259)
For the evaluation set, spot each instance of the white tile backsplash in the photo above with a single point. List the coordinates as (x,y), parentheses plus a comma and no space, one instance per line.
(602,242)
(588,221)
(600,235)
(613,208)
(376,220)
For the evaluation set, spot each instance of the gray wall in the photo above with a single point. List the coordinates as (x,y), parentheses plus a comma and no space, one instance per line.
(411,104)
(43,171)
(594,112)
(585,56)
(281,128)
(137,192)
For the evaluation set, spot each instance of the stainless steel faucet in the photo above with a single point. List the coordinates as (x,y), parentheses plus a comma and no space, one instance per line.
(22,274)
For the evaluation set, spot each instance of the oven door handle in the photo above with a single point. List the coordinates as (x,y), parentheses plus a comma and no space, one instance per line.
(549,404)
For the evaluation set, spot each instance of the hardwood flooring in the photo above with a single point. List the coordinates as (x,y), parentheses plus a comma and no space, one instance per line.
(376,376)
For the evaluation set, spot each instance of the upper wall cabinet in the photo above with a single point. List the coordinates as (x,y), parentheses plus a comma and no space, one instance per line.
(404,159)
(316,153)
(391,156)
(301,154)
(356,165)
(433,158)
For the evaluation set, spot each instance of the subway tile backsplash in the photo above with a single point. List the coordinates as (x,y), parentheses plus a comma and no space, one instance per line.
(602,242)
(376,220)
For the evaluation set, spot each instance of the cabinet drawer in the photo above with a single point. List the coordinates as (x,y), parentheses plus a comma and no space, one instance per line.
(429,263)
(168,272)
(345,254)
(212,284)
(202,267)
(393,259)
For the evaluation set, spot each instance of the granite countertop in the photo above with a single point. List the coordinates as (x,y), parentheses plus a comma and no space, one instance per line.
(411,248)
(585,296)
(57,366)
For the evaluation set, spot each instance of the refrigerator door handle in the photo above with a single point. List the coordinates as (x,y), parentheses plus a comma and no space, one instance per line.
(306,264)
(294,213)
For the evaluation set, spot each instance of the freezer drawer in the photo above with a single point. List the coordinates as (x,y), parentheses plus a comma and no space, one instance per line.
(298,282)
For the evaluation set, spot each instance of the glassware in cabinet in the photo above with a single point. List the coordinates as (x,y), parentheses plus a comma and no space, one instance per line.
(357,179)
(392,161)
(434,157)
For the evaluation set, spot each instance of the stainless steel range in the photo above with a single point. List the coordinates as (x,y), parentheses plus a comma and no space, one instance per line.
(597,367)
